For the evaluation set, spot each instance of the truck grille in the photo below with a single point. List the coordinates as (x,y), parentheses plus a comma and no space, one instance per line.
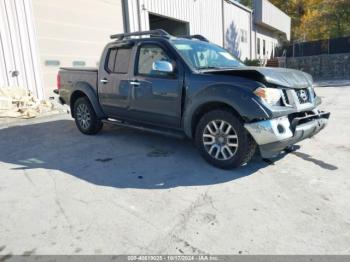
(285,98)
(303,96)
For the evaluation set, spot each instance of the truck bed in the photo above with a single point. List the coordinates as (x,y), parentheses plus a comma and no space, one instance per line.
(89,69)
(72,76)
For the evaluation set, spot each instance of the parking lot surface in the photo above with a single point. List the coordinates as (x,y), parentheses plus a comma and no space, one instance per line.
(129,192)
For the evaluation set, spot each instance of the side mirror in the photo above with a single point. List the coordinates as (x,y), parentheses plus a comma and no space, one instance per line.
(163,66)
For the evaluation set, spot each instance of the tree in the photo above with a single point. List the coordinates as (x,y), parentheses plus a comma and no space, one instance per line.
(248,3)
(317,19)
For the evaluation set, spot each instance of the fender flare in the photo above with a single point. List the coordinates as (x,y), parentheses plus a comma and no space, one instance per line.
(91,94)
(239,99)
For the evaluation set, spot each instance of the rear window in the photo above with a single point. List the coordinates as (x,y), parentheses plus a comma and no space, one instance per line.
(122,61)
(111,59)
(118,60)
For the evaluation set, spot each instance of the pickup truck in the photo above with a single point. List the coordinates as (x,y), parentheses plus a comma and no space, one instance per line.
(189,87)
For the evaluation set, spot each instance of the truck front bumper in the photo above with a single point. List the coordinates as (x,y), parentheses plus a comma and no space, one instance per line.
(275,135)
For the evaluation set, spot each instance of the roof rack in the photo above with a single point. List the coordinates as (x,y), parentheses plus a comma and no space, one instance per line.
(198,37)
(158,32)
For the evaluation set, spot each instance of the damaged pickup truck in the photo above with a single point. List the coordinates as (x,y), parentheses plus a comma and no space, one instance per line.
(186,86)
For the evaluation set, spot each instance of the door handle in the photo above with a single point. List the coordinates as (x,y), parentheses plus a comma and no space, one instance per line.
(135,83)
(104,81)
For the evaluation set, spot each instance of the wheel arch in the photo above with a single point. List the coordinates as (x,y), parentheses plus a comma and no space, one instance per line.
(237,99)
(207,107)
(83,89)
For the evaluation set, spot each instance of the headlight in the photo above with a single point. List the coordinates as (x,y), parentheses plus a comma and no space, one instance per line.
(272,96)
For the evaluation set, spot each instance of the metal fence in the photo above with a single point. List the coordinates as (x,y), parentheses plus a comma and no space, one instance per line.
(329,46)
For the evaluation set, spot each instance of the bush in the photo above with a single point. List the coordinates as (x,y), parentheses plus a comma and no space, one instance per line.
(253,62)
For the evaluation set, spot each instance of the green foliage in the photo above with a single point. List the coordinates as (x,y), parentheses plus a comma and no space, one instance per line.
(317,19)
(254,62)
(248,3)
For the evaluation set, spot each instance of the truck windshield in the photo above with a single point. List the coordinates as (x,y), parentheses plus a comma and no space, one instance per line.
(202,55)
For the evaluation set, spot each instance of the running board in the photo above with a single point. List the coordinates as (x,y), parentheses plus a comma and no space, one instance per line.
(156,130)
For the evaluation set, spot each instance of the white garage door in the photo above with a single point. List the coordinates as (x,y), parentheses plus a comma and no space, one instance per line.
(18,58)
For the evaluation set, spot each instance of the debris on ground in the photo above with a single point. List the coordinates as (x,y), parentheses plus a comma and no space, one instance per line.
(17,102)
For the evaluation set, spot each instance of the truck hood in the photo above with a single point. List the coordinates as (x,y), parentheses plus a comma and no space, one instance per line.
(283,77)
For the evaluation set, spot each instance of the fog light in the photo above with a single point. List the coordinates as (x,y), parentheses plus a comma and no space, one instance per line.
(281,129)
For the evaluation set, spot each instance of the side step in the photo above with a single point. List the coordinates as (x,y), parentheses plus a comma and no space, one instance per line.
(151,129)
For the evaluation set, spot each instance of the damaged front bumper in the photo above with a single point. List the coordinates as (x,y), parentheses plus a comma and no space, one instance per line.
(275,135)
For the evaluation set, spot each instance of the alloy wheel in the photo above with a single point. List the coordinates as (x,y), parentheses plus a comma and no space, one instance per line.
(83,116)
(220,140)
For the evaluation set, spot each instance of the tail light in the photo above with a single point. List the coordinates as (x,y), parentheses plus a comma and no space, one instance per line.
(58,82)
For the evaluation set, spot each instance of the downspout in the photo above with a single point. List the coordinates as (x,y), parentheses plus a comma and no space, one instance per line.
(138,14)
(223,22)
(251,33)
(126,21)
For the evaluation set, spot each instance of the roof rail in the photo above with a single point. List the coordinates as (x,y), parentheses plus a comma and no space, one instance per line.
(158,32)
(198,37)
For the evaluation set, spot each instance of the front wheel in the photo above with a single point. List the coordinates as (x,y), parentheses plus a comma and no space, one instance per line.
(223,141)
(85,117)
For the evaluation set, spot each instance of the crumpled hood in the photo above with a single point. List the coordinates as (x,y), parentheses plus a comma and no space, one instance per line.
(283,77)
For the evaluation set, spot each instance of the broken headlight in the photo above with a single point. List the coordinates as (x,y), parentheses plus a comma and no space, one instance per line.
(271,96)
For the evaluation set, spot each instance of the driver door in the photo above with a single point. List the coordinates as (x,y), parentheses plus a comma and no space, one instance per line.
(155,96)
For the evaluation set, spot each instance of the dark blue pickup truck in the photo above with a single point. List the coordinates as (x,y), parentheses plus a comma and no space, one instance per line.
(186,86)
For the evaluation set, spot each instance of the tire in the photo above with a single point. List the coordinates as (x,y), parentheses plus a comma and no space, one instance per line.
(221,131)
(85,117)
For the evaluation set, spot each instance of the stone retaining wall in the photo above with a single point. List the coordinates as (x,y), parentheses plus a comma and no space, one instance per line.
(322,67)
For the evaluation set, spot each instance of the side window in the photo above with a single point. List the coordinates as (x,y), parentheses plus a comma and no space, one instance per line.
(148,54)
(118,60)
(122,61)
(111,59)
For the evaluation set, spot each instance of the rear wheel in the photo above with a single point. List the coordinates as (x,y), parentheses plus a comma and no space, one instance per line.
(85,117)
(223,141)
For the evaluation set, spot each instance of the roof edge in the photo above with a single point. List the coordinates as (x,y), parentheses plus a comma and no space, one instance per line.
(236,3)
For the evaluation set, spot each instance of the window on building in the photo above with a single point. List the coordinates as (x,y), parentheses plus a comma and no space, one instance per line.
(258,46)
(148,54)
(244,36)
(52,63)
(264,47)
(79,63)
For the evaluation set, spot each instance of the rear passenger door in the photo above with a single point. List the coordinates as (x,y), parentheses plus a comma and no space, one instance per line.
(114,86)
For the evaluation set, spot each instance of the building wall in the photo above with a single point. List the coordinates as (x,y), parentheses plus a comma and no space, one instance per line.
(18,50)
(269,16)
(271,41)
(204,16)
(237,30)
(44,35)
(73,33)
